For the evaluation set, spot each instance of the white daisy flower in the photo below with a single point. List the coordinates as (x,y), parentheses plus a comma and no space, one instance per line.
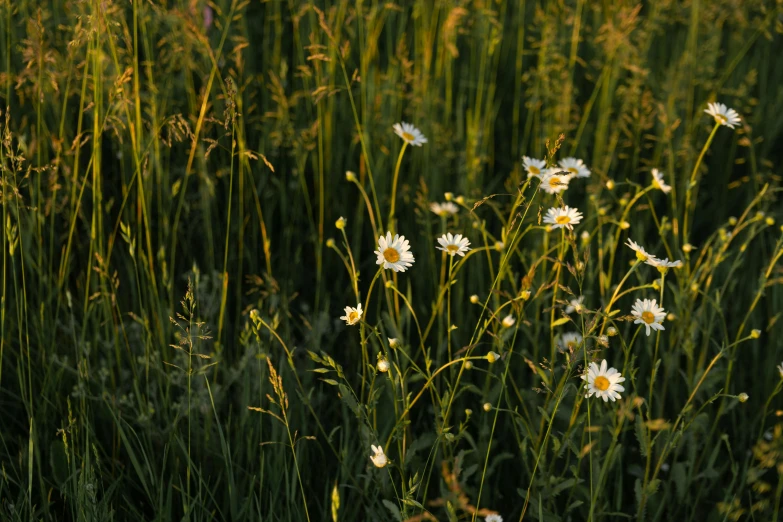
(723,114)
(508,321)
(603,382)
(658,181)
(455,244)
(649,314)
(575,167)
(641,253)
(394,252)
(352,315)
(575,305)
(378,457)
(663,265)
(563,217)
(554,181)
(444,209)
(493,518)
(569,342)
(410,134)
(534,167)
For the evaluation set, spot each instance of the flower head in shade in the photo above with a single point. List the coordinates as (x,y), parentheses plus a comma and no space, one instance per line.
(554,181)
(394,252)
(534,167)
(569,342)
(575,305)
(658,181)
(603,382)
(649,314)
(780,370)
(444,209)
(563,217)
(410,134)
(723,114)
(494,517)
(352,315)
(453,245)
(575,167)
(641,253)
(378,457)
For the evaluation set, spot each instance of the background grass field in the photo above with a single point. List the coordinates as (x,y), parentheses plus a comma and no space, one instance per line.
(172,171)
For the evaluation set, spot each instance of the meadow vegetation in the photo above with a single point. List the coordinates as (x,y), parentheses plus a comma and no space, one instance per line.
(207,316)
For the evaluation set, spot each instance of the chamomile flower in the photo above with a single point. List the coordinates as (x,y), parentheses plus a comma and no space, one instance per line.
(554,181)
(649,314)
(575,305)
(603,382)
(663,265)
(563,217)
(455,244)
(444,209)
(658,182)
(534,167)
(508,321)
(641,253)
(569,342)
(352,315)
(378,457)
(494,517)
(394,253)
(723,114)
(410,134)
(575,167)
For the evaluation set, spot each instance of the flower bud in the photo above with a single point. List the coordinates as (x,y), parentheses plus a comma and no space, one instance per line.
(487,406)
(743,397)
(350,176)
(340,223)
(383,365)
(755,333)
(492,357)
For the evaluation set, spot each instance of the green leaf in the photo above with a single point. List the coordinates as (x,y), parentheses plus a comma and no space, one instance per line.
(395,511)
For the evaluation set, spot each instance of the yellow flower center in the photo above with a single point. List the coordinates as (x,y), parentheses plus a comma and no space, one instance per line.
(573,170)
(534,170)
(601,382)
(648,317)
(391,255)
(554,181)
(662,269)
(572,345)
(720,118)
(407,136)
(353,316)
(452,249)
(656,184)
(640,256)
(443,213)
(562,220)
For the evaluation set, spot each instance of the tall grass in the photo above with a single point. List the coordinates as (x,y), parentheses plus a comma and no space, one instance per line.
(155,150)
